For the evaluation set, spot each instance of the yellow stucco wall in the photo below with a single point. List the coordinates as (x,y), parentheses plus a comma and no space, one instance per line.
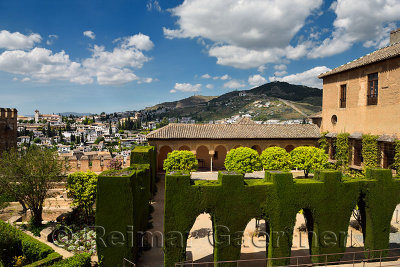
(383,118)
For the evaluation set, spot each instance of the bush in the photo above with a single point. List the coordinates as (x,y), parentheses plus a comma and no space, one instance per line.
(243,160)
(180,160)
(79,260)
(343,149)
(309,158)
(396,164)
(275,158)
(370,151)
(82,187)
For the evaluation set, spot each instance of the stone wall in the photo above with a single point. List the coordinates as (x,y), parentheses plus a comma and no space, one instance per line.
(95,164)
(8,128)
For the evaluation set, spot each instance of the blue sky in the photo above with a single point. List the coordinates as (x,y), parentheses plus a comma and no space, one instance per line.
(94,56)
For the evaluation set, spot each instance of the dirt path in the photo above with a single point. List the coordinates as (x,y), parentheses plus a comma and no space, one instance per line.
(287,103)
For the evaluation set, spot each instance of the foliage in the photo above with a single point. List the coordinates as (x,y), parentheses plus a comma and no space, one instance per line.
(127,198)
(83,240)
(28,176)
(180,160)
(99,139)
(370,151)
(82,188)
(343,151)
(79,260)
(327,201)
(115,164)
(243,160)
(37,140)
(15,243)
(396,163)
(323,142)
(275,158)
(308,158)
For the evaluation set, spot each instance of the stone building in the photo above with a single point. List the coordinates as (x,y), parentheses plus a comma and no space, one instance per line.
(211,142)
(363,97)
(8,128)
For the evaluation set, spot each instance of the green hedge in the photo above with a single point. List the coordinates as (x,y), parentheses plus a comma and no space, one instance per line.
(79,260)
(14,242)
(327,202)
(122,208)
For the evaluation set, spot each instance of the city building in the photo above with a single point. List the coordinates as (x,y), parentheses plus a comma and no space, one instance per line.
(363,97)
(52,118)
(211,142)
(8,128)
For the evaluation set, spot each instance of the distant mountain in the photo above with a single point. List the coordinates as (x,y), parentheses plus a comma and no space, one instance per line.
(66,114)
(275,100)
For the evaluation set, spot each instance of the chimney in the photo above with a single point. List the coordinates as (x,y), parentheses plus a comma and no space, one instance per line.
(395,36)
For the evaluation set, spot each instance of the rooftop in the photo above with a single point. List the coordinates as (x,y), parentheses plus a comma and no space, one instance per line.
(385,53)
(235,131)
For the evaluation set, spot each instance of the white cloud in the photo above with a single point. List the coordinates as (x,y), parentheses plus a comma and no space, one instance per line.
(256,80)
(51,39)
(307,78)
(89,34)
(261,68)
(245,34)
(369,22)
(186,87)
(209,86)
(107,67)
(140,41)
(234,84)
(206,76)
(225,77)
(17,40)
(153,5)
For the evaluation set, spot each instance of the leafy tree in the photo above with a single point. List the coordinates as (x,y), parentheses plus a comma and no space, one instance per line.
(308,158)
(37,140)
(82,187)
(99,139)
(179,160)
(243,160)
(275,158)
(28,176)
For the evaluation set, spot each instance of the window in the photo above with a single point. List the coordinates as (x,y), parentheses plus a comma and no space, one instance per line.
(372,96)
(343,95)
(334,119)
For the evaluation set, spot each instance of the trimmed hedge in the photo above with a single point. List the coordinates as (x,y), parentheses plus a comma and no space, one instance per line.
(79,260)
(14,242)
(327,202)
(122,208)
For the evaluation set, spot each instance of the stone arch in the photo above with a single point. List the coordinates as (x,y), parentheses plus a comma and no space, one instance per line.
(257,148)
(162,155)
(255,239)
(289,148)
(219,157)
(203,156)
(184,148)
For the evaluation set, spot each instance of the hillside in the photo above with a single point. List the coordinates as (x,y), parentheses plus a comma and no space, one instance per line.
(276,100)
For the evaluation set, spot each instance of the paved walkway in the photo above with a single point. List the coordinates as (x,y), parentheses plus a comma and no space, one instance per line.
(155,256)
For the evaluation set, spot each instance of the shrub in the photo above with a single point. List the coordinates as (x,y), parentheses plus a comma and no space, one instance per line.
(10,245)
(114,164)
(342,152)
(275,158)
(396,164)
(323,142)
(79,260)
(82,187)
(370,151)
(308,158)
(243,160)
(180,160)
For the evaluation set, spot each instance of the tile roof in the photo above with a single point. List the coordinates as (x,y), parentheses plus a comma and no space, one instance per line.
(376,56)
(235,131)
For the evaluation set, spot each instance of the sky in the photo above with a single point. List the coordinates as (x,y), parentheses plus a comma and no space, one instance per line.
(110,56)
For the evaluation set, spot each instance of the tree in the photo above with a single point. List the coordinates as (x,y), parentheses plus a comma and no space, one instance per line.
(37,140)
(308,158)
(82,187)
(99,139)
(28,176)
(275,158)
(179,160)
(243,160)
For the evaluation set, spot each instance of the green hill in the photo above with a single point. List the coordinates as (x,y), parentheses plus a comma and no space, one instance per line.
(276,100)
